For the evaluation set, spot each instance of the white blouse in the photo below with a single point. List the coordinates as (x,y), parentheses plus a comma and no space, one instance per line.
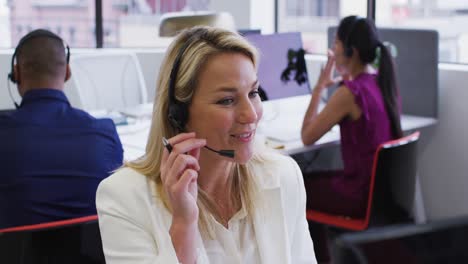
(135,224)
(235,244)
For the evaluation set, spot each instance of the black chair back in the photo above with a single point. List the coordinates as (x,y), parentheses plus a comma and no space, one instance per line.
(395,179)
(70,243)
(442,241)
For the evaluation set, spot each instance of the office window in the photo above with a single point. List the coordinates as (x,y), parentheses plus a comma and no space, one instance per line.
(18,17)
(313,17)
(448,17)
(126,23)
(132,23)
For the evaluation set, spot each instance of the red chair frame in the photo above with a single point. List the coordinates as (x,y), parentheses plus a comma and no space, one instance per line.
(55,224)
(72,241)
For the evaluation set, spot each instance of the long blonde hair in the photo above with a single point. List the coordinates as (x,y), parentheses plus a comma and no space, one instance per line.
(206,43)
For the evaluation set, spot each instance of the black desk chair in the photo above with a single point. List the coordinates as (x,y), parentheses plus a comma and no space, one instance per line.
(442,241)
(69,241)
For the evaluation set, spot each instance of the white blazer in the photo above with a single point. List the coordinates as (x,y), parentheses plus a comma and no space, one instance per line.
(135,225)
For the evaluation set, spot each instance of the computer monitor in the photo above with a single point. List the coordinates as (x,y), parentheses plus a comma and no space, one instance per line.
(273,51)
(416,63)
(442,241)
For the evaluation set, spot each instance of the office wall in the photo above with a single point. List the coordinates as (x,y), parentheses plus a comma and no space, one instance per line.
(444,149)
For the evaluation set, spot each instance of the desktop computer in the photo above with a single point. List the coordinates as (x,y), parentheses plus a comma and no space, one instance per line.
(286,100)
(278,53)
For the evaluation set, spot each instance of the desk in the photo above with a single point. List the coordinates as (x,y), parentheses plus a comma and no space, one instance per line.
(287,115)
(409,123)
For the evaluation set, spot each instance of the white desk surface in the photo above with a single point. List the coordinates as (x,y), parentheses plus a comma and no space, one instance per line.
(332,137)
(280,117)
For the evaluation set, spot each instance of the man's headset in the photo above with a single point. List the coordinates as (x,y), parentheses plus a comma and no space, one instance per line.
(33,34)
(177,110)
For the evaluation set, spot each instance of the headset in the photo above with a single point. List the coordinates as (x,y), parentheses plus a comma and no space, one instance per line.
(348,49)
(177,110)
(31,35)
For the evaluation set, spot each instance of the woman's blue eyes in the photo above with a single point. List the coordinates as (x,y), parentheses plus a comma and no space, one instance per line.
(230,100)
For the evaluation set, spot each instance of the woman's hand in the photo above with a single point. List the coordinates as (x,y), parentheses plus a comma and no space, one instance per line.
(179,173)
(326,78)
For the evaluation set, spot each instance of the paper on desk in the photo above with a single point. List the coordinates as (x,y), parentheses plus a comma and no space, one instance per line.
(284,128)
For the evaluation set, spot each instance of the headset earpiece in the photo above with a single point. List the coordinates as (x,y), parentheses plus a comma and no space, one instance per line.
(11,77)
(178,115)
(11,74)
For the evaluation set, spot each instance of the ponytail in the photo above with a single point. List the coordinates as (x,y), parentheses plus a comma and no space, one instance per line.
(386,80)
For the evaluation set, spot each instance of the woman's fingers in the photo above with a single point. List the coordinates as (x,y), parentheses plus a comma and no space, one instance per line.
(182,148)
(181,144)
(166,152)
(187,145)
(182,163)
(187,177)
(330,64)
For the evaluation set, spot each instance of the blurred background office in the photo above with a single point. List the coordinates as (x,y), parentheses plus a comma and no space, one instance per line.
(134,23)
(96,26)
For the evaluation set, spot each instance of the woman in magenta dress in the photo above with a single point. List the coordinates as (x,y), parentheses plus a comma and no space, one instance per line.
(365,106)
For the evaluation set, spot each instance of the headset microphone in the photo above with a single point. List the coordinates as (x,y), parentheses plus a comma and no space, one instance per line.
(11,95)
(223,152)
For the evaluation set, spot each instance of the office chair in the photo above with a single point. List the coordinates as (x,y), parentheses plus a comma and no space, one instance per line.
(68,241)
(172,23)
(441,241)
(108,80)
(394,161)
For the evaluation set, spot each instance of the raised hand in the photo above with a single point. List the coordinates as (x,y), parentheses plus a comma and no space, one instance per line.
(326,78)
(179,173)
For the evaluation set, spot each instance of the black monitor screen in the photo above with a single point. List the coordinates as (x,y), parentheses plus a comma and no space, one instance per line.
(274,61)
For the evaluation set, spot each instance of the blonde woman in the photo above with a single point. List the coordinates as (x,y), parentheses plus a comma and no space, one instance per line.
(207,194)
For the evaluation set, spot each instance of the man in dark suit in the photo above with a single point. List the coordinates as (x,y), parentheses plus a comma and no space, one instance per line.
(52,156)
